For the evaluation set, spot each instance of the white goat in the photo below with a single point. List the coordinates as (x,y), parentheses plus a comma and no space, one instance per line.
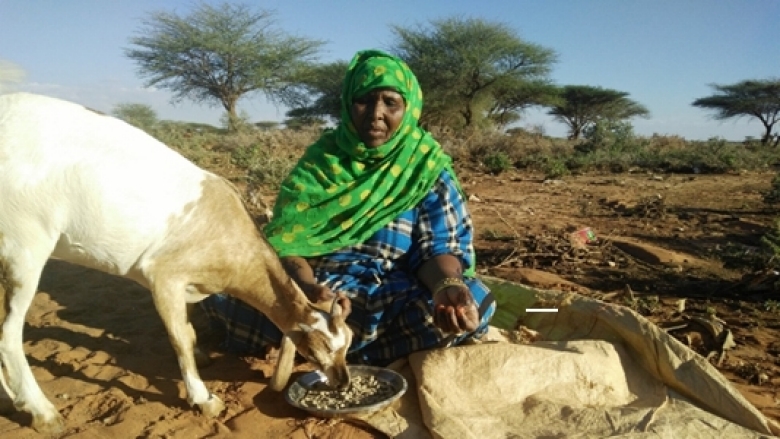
(92,190)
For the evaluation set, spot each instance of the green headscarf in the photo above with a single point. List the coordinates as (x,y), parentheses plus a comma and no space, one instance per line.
(341,192)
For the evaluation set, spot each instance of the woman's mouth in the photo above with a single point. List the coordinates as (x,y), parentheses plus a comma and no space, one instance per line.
(376,132)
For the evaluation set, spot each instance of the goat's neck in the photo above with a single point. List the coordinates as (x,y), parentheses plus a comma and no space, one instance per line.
(275,294)
(291,306)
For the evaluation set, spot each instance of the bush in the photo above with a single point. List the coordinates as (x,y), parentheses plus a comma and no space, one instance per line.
(555,168)
(607,135)
(771,243)
(773,195)
(609,146)
(139,115)
(272,172)
(497,162)
(247,157)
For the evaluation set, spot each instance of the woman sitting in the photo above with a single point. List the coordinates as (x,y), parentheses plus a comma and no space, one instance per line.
(373,214)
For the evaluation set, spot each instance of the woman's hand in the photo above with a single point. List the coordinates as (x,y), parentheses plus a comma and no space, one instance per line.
(317,293)
(302,273)
(321,293)
(455,310)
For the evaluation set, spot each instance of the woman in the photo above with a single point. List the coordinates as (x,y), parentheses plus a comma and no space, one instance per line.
(373,211)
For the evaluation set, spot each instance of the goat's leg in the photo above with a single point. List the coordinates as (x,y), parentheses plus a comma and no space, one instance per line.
(202,359)
(169,299)
(18,283)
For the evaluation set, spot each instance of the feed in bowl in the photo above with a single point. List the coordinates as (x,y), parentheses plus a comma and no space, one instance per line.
(370,389)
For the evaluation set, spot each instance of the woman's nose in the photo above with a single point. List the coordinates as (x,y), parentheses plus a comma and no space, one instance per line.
(376,109)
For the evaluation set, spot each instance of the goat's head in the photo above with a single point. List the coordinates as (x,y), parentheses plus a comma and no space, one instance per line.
(323,340)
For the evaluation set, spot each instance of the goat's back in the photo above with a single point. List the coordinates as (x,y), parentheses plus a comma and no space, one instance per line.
(103,190)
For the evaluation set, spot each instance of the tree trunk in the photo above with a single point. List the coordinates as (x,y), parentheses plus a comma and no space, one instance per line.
(232,119)
(575,133)
(467,116)
(767,137)
(230,108)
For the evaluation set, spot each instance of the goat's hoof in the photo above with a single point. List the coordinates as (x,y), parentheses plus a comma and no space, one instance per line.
(48,425)
(213,407)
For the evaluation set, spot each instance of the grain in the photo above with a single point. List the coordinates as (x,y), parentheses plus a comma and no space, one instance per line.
(362,391)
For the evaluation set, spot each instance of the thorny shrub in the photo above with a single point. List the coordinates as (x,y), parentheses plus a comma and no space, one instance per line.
(606,148)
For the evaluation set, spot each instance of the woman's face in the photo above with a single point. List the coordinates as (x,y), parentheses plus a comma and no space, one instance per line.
(377,114)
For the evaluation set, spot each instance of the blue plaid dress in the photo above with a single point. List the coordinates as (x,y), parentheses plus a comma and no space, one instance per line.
(392,312)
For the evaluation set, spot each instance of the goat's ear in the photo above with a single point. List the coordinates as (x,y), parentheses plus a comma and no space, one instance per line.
(305,328)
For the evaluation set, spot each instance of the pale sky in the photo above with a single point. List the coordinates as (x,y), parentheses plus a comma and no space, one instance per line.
(664,53)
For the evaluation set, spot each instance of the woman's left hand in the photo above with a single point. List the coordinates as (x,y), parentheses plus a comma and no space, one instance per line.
(455,310)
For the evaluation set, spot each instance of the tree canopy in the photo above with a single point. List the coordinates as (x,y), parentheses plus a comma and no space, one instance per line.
(218,54)
(321,85)
(751,98)
(511,99)
(470,69)
(581,106)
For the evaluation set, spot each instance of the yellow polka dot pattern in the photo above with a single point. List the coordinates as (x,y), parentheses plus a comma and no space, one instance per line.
(341,192)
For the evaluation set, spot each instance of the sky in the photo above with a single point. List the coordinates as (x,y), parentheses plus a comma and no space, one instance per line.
(664,53)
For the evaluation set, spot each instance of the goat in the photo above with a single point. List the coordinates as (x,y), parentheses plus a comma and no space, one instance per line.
(92,190)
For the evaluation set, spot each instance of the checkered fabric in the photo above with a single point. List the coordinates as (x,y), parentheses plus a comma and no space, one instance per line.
(391,311)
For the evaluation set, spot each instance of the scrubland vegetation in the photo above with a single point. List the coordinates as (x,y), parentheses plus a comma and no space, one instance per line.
(264,156)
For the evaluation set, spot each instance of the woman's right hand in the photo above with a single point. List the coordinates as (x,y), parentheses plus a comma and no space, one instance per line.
(318,293)
(301,272)
(321,293)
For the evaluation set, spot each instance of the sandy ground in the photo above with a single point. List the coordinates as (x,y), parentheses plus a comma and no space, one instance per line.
(99,351)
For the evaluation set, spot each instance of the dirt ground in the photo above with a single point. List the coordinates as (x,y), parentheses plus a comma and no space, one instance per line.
(659,239)
(99,351)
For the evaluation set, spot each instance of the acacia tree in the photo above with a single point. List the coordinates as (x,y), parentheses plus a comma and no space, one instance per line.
(466,65)
(511,100)
(581,106)
(218,54)
(321,85)
(752,98)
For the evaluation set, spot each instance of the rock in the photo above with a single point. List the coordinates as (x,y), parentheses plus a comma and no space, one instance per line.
(538,279)
(656,255)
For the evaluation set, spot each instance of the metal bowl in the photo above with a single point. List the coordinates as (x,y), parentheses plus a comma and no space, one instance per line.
(314,380)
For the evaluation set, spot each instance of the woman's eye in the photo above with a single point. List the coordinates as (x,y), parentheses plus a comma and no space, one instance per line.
(392,103)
